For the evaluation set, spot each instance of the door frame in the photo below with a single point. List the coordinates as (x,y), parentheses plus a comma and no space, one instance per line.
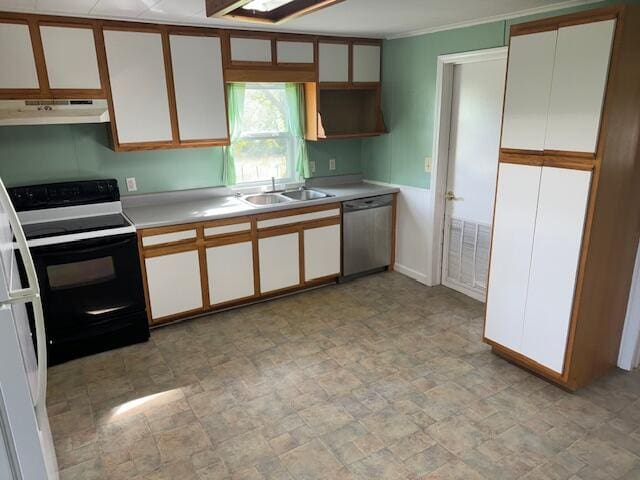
(441,136)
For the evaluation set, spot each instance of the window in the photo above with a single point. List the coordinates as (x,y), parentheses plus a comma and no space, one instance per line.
(265,145)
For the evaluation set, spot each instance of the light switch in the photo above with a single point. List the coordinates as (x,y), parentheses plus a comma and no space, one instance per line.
(332,164)
(131,184)
(428,164)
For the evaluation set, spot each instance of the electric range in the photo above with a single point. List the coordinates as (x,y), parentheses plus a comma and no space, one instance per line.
(86,256)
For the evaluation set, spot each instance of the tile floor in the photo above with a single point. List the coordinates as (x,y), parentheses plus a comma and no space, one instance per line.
(381,378)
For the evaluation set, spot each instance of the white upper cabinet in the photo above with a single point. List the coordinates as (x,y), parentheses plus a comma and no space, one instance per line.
(295,52)
(579,84)
(199,87)
(530,72)
(70,56)
(557,244)
(17,64)
(250,50)
(513,231)
(138,86)
(334,62)
(366,63)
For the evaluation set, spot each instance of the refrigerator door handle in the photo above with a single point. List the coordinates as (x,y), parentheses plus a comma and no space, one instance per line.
(29,294)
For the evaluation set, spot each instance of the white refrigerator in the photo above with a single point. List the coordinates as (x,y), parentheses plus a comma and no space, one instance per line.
(26,445)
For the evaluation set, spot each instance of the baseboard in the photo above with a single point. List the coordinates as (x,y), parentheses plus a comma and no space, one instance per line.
(409,272)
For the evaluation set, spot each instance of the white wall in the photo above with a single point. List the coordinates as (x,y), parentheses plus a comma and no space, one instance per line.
(413,237)
(630,346)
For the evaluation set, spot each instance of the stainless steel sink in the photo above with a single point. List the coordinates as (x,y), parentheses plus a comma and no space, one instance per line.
(305,194)
(266,199)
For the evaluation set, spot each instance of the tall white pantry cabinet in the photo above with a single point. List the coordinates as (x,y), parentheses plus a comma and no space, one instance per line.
(567,211)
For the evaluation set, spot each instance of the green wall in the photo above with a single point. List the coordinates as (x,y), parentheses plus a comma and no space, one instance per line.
(408,96)
(38,154)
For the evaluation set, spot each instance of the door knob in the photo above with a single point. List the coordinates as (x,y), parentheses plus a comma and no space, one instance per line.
(451,196)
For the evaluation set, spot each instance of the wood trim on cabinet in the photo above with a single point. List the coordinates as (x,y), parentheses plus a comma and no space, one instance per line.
(171,89)
(570,161)
(301,259)
(38,55)
(279,230)
(145,284)
(394,219)
(204,272)
(228,239)
(527,363)
(269,75)
(256,257)
(578,18)
(297,211)
(323,222)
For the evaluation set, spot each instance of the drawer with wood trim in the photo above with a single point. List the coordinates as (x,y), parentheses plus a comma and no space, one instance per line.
(298,216)
(230,226)
(165,236)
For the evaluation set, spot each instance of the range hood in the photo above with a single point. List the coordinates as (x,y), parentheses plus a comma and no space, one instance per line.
(47,112)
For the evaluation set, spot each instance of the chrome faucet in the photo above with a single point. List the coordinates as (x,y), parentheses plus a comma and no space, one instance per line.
(273,184)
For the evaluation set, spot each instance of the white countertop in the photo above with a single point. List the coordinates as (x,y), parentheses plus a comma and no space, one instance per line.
(172,208)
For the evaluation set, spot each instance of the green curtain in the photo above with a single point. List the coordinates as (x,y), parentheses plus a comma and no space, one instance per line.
(235,100)
(295,117)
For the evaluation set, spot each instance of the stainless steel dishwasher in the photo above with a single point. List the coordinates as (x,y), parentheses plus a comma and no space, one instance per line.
(366,232)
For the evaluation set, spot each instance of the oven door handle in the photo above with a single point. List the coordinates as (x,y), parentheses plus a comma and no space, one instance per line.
(29,294)
(68,248)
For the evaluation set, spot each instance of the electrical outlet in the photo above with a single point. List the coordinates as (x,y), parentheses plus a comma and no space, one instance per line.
(332,164)
(428,164)
(132,186)
(312,167)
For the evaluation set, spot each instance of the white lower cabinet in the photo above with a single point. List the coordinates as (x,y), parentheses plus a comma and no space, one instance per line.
(279,262)
(537,239)
(513,229)
(174,285)
(321,252)
(554,263)
(230,272)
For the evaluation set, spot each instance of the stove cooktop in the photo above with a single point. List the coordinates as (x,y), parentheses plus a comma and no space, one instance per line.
(74,225)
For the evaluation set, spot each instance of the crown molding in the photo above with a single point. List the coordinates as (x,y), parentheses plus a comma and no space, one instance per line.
(495,18)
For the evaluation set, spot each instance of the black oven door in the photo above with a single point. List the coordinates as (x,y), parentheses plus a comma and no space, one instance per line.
(86,284)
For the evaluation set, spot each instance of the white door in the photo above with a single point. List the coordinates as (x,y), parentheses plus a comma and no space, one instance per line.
(333,62)
(174,283)
(230,272)
(366,63)
(199,87)
(138,86)
(70,55)
(515,223)
(575,108)
(531,59)
(17,63)
(279,262)
(321,252)
(562,206)
(476,114)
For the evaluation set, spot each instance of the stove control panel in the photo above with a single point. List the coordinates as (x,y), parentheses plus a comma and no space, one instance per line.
(65,194)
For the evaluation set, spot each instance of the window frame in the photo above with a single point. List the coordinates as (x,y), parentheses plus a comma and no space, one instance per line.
(287,135)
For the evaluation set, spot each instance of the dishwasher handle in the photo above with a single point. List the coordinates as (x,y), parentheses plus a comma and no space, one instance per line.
(368,203)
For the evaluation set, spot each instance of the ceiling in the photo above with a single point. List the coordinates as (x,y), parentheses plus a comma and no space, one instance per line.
(370,18)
